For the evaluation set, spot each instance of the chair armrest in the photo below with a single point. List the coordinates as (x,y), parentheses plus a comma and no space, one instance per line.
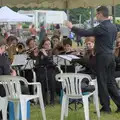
(37,87)
(60,80)
(93,82)
(34,83)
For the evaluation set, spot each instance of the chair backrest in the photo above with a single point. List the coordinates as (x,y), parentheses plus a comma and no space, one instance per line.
(72,82)
(12,85)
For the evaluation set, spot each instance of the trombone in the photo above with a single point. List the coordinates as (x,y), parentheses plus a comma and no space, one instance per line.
(20,48)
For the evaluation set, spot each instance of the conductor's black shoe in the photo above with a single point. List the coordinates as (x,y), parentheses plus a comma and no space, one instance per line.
(118,110)
(105,110)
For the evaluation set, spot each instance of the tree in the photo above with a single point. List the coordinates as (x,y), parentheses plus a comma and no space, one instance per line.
(117,11)
(75,14)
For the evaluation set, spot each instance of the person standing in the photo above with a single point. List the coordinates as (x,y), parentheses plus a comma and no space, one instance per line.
(105,35)
(42,33)
(79,40)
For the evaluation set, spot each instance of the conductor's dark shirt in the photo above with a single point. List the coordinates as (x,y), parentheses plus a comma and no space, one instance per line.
(105,34)
(4,65)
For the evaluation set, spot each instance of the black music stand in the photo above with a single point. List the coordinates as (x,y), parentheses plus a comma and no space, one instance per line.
(67,59)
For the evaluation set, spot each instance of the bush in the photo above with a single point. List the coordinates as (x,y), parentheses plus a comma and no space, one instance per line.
(25,25)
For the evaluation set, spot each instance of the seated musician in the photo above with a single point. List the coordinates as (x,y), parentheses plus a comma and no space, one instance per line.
(89,59)
(32,48)
(55,40)
(57,47)
(67,44)
(45,70)
(117,56)
(5,68)
(11,42)
(32,51)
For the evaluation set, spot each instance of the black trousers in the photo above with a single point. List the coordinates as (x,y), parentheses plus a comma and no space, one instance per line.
(106,81)
(29,76)
(46,76)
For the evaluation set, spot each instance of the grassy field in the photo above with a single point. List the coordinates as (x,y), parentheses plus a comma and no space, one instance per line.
(53,113)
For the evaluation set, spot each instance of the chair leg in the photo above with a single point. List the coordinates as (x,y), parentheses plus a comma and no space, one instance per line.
(16,110)
(42,107)
(95,96)
(86,107)
(63,107)
(23,104)
(4,109)
(66,107)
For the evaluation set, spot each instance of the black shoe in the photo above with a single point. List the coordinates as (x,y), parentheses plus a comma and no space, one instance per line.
(118,110)
(52,103)
(105,110)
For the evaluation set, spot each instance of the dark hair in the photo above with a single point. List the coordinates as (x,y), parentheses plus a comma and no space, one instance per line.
(67,41)
(41,44)
(29,40)
(57,26)
(104,10)
(55,36)
(2,43)
(11,38)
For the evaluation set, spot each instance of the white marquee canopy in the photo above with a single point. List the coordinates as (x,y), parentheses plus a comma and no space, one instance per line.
(8,15)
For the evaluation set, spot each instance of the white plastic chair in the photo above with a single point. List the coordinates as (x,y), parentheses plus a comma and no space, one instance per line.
(3,107)
(72,87)
(13,90)
(118,81)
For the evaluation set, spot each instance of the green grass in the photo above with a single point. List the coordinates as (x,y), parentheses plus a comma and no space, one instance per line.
(53,113)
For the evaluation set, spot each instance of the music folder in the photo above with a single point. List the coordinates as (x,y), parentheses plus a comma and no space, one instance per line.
(19,60)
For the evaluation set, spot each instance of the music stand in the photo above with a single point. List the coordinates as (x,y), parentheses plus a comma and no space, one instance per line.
(67,59)
(29,66)
(18,61)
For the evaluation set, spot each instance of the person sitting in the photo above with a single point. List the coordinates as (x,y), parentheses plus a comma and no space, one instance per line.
(32,48)
(5,68)
(89,59)
(11,42)
(45,71)
(67,44)
(117,54)
(55,40)
(117,57)
(57,47)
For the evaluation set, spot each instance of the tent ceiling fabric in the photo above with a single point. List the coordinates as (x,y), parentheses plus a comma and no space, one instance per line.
(57,3)
(23,3)
(80,3)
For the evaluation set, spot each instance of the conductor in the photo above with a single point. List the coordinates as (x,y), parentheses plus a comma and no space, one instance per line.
(105,34)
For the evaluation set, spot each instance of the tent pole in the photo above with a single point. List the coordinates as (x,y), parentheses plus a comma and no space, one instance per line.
(113,13)
(92,17)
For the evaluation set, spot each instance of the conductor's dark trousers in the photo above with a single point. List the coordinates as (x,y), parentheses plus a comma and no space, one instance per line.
(106,81)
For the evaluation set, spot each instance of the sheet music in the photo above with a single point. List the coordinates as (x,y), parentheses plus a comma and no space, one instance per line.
(29,65)
(19,60)
(73,56)
(69,57)
(60,61)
